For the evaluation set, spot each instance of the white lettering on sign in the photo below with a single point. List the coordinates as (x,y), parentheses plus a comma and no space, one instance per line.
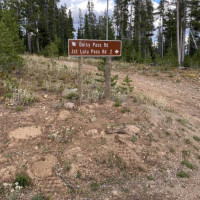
(74,51)
(84,51)
(84,44)
(104,51)
(94,44)
(95,52)
(94,48)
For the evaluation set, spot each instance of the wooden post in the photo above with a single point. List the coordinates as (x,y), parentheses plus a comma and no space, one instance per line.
(80,84)
(108,78)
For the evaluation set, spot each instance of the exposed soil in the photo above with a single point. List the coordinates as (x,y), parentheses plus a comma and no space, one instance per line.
(97,151)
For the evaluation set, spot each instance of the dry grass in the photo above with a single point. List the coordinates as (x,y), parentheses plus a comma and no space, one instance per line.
(147,141)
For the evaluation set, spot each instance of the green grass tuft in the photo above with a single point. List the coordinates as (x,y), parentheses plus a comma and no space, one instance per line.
(187,164)
(39,197)
(94,186)
(197,138)
(23,180)
(183,174)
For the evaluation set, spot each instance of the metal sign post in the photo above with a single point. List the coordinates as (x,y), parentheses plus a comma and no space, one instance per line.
(108,65)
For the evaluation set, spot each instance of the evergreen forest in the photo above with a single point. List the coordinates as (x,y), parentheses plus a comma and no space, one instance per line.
(44,27)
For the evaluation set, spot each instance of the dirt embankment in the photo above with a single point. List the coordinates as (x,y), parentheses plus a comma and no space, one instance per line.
(147,148)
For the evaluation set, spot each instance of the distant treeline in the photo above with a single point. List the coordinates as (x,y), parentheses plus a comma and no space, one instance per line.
(43,27)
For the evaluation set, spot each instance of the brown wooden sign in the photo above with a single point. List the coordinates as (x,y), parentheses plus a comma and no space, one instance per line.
(94,48)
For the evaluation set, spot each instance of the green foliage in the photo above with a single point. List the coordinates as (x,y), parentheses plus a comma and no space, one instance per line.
(39,197)
(51,50)
(19,108)
(183,174)
(72,96)
(114,80)
(195,61)
(9,49)
(11,84)
(117,103)
(158,59)
(10,43)
(86,34)
(139,57)
(128,51)
(94,186)
(187,61)
(148,59)
(170,59)
(67,166)
(134,139)
(17,96)
(23,180)
(126,85)
(150,178)
(11,21)
(59,45)
(125,110)
(101,76)
(197,138)
(187,164)
(78,175)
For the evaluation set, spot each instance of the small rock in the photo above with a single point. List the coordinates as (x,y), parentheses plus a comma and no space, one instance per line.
(93,119)
(131,129)
(36,148)
(45,96)
(63,115)
(92,132)
(69,105)
(178,102)
(66,92)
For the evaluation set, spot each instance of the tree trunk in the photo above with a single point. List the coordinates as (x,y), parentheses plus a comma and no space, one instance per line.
(181,43)
(139,25)
(38,45)
(162,45)
(178,32)
(29,42)
(183,46)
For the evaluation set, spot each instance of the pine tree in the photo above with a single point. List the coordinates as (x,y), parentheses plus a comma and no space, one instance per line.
(121,16)
(194,26)
(10,43)
(70,26)
(170,40)
(92,21)
(101,27)
(80,34)
(86,28)
(162,14)
(148,59)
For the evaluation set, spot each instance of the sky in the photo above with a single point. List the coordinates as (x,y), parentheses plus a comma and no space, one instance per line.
(99,7)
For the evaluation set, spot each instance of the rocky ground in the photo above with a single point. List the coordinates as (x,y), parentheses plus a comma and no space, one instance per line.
(145,147)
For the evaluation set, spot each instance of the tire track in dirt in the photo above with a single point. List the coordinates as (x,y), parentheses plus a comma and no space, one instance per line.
(184,96)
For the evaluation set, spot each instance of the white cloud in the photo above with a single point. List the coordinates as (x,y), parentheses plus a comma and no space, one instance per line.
(99,7)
